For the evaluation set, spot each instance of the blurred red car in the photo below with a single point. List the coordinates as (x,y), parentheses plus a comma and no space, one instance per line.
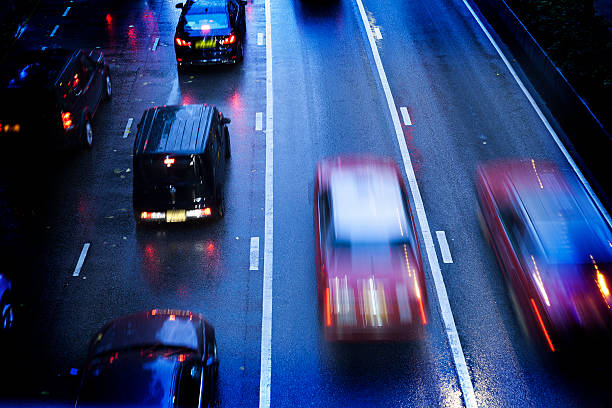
(370,279)
(554,247)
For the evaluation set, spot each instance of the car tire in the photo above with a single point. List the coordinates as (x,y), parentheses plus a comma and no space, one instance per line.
(228,146)
(108,87)
(87,134)
(7,313)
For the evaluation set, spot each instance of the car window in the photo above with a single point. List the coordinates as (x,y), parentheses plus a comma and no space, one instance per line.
(86,69)
(181,170)
(189,386)
(206,21)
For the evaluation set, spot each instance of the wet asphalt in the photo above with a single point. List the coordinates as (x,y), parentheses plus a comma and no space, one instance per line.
(465,108)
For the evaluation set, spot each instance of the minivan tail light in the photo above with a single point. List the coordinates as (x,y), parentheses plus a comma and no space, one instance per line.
(230,39)
(168,161)
(66,120)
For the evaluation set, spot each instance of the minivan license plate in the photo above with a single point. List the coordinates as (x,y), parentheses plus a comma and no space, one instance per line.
(175,216)
(207,43)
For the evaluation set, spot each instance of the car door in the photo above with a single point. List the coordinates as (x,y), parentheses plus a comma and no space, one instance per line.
(190,386)
(92,81)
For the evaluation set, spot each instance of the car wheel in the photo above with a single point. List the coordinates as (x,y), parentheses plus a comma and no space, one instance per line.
(108,87)
(228,146)
(7,310)
(87,136)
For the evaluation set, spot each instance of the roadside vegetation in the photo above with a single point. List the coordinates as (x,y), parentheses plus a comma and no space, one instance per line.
(579,42)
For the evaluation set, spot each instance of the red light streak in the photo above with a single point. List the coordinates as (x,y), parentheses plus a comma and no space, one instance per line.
(328,321)
(542,325)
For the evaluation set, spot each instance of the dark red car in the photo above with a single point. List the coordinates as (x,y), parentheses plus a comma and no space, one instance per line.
(370,277)
(554,247)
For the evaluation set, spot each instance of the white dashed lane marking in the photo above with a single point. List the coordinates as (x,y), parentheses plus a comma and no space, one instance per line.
(66,12)
(258,121)
(155,44)
(81,260)
(405,116)
(128,126)
(254,254)
(444,249)
(54,31)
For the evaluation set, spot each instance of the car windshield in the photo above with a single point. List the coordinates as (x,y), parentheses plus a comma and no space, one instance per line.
(206,21)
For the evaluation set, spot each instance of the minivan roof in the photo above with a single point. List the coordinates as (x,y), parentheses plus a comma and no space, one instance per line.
(177,129)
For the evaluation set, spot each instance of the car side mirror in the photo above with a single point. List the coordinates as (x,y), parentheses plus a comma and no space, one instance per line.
(225,121)
(179,5)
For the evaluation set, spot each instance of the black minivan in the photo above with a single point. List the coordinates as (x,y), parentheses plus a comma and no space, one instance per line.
(179,164)
(50,97)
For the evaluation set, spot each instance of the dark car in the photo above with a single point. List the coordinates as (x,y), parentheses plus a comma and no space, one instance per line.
(159,358)
(370,277)
(555,250)
(210,32)
(50,98)
(7,306)
(180,155)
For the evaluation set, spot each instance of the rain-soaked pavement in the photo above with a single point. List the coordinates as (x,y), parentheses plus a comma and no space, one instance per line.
(464,108)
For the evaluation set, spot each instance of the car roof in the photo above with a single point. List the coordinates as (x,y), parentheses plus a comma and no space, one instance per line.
(173,328)
(177,129)
(367,204)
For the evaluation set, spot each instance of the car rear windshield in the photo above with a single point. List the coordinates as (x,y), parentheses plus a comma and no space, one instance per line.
(207,21)
(168,170)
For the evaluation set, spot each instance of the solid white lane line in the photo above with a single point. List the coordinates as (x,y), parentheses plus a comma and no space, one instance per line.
(260,38)
(265,376)
(128,126)
(405,116)
(54,30)
(258,121)
(535,106)
(444,249)
(254,254)
(377,33)
(465,382)
(155,44)
(81,260)
(66,12)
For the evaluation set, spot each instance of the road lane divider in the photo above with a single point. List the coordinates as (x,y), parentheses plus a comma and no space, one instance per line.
(155,44)
(265,372)
(405,116)
(54,31)
(258,121)
(444,249)
(538,111)
(128,127)
(254,254)
(66,12)
(79,265)
(260,39)
(465,382)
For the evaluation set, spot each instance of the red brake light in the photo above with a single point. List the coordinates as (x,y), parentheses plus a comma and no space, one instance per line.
(66,120)
(230,39)
(182,43)
(168,162)
(206,211)
(145,215)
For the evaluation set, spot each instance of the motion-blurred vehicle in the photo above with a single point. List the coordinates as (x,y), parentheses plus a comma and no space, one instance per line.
(50,98)
(179,162)
(554,247)
(370,277)
(210,32)
(158,358)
